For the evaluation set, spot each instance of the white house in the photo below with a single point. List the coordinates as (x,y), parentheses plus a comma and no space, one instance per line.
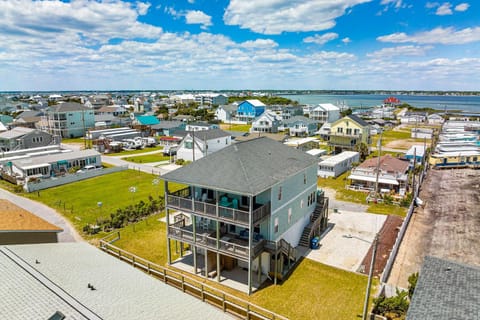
(198,144)
(337,164)
(413,117)
(226,113)
(421,133)
(200,126)
(435,118)
(266,122)
(325,112)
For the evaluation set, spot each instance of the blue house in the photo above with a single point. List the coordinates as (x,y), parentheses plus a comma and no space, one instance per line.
(248,110)
(245,207)
(300,126)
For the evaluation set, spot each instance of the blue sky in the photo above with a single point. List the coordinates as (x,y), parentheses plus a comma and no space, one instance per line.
(239,44)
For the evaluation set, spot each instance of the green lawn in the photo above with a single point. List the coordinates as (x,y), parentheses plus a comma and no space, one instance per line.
(157,157)
(316,291)
(79,200)
(129,152)
(236,127)
(343,194)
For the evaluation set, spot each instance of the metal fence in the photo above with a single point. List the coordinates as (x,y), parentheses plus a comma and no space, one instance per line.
(403,229)
(58,181)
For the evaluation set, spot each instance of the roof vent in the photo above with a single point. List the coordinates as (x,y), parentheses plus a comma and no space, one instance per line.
(57,316)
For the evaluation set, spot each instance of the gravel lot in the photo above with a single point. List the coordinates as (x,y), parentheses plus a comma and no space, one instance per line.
(446,226)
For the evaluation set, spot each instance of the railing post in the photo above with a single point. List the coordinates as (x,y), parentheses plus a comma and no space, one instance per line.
(223,303)
(165,275)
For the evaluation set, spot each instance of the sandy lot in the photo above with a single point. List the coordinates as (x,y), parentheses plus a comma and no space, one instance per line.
(347,243)
(447,226)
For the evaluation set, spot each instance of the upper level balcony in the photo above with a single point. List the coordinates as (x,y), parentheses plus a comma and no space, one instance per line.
(226,209)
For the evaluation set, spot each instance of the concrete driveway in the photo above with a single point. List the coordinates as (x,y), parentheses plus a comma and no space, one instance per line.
(347,242)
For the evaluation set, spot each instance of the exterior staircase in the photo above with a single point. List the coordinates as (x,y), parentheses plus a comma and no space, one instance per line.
(309,230)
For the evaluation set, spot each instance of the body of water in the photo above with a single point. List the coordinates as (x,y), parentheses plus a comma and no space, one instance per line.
(462,103)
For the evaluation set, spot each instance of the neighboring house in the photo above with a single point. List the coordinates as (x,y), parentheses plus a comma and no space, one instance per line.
(416,153)
(70,119)
(421,133)
(114,110)
(303,144)
(248,205)
(182,98)
(288,112)
(52,165)
(78,281)
(145,120)
(28,119)
(392,174)
(200,126)
(183,117)
(196,145)
(168,128)
(248,110)
(445,290)
(24,138)
(226,113)
(349,132)
(435,118)
(300,126)
(336,165)
(325,112)
(413,117)
(211,99)
(19,226)
(5,119)
(266,122)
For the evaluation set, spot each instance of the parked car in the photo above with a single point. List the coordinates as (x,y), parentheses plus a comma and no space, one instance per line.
(170,150)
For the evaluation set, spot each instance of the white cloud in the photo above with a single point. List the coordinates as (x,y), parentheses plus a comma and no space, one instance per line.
(346,40)
(198,17)
(431,5)
(259,43)
(321,39)
(387,53)
(277,16)
(462,7)
(191,1)
(444,9)
(439,35)
(396,3)
(93,22)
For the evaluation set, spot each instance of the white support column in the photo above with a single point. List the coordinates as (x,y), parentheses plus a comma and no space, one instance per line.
(250,242)
(167,220)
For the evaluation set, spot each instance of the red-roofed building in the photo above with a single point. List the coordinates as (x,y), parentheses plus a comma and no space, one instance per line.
(391,101)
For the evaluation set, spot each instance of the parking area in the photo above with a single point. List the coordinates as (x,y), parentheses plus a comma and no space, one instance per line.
(347,242)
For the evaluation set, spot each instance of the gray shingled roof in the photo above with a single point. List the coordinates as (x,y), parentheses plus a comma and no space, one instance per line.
(59,282)
(299,118)
(68,106)
(358,120)
(248,167)
(209,134)
(446,290)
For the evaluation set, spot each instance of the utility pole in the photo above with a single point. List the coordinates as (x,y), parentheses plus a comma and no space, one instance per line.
(379,151)
(370,275)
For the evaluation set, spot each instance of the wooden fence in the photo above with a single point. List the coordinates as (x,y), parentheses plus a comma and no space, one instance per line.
(216,297)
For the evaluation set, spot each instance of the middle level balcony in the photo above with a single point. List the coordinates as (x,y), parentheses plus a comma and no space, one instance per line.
(226,209)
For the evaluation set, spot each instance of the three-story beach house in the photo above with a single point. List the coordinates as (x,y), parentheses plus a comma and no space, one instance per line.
(349,132)
(244,210)
(248,110)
